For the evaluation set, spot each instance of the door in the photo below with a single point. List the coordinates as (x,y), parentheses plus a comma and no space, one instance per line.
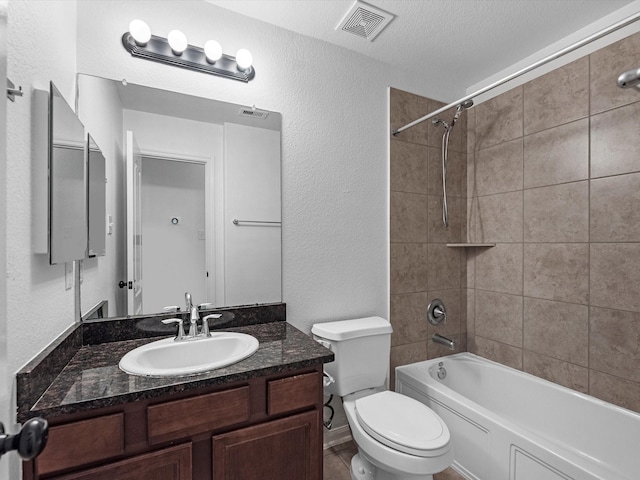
(288,448)
(134,226)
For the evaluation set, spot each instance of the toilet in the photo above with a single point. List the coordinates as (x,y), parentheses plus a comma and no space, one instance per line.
(398,438)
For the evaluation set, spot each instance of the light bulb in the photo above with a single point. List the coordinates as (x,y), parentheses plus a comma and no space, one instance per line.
(244,59)
(140,32)
(213,51)
(177,41)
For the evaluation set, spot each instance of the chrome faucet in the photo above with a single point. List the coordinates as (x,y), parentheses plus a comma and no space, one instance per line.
(447,342)
(194,316)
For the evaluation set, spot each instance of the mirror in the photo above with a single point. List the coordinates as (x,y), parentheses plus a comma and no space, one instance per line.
(96,199)
(193,199)
(67,192)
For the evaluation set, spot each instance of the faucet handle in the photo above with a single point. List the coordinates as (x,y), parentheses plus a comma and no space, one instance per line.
(180,323)
(205,323)
(204,306)
(171,308)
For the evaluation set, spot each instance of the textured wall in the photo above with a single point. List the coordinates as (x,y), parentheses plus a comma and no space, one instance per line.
(334,140)
(554,176)
(422,267)
(40,47)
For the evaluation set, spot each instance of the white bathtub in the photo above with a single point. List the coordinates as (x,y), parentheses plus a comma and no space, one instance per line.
(509,425)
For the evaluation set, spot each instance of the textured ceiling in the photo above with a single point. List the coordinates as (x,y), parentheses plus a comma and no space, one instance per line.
(459,41)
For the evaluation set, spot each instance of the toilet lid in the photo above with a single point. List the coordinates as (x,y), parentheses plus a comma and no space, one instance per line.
(402,423)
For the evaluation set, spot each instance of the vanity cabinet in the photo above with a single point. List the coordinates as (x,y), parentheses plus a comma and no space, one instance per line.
(266,427)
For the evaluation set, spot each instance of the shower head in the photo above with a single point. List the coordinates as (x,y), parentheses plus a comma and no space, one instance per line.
(630,78)
(466,104)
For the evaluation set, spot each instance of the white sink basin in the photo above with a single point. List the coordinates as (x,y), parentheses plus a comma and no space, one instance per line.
(168,358)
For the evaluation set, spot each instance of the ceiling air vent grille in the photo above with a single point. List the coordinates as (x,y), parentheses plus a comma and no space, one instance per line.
(254,113)
(365,20)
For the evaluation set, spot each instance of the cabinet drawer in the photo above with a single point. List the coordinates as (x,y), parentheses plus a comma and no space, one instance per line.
(292,393)
(191,416)
(83,442)
(168,464)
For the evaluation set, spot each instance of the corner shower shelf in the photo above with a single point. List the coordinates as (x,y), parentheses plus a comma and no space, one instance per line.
(470,245)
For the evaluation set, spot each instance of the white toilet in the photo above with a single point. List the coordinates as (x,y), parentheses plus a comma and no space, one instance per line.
(398,438)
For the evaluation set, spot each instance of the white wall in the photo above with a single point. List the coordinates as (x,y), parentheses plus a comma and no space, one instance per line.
(5,416)
(335,128)
(41,46)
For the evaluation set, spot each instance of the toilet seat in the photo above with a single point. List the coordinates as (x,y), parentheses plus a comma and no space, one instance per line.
(402,423)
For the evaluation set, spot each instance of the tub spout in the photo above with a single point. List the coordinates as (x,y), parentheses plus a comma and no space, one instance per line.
(447,342)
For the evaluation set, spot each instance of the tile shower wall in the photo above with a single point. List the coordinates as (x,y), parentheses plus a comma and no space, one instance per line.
(554,180)
(422,266)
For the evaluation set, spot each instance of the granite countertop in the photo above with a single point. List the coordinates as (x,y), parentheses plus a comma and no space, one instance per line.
(92,379)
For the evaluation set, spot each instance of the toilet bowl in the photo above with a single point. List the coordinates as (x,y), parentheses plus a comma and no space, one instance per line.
(398,438)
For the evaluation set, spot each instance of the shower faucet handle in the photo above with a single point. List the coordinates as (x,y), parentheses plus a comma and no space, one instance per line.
(436,312)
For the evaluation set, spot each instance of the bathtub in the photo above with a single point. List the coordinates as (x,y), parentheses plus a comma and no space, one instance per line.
(508,425)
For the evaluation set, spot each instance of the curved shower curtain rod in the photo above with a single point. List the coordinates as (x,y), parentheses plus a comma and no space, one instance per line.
(585,41)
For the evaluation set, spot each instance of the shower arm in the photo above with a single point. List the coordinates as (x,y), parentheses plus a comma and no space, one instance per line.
(585,41)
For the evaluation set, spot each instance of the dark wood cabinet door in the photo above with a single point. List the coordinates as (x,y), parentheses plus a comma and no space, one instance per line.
(276,450)
(168,464)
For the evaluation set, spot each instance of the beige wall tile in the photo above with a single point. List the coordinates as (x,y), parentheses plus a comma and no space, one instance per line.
(444,267)
(471,131)
(408,269)
(409,318)
(498,169)
(436,231)
(471,267)
(471,311)
(615,390)
(558,97)
(404,355)
(409,167)
(406,107)
(472,212)
(499,269)
(557,329)
(500,119)
(613,343)
(456,173)
(557,271)
(499,317)
(498,218)
(615,209)
(408,217)
(498,352)
(557,371)
(452,300)
(559,213)
(606,64)
(558,155)
(615,275)
(615,142)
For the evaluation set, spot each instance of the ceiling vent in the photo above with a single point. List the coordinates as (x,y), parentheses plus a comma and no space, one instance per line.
(253,112)
(365,20)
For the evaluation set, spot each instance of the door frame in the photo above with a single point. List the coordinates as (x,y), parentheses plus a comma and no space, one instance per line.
(209,200)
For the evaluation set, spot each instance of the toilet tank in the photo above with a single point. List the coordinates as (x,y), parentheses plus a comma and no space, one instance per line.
(361,347)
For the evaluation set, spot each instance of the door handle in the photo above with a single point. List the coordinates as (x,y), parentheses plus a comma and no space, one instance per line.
(29,441)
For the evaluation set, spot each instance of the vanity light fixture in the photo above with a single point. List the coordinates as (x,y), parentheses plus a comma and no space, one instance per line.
(175,50)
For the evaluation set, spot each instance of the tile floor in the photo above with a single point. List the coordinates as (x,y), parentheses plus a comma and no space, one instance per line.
(337,461)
